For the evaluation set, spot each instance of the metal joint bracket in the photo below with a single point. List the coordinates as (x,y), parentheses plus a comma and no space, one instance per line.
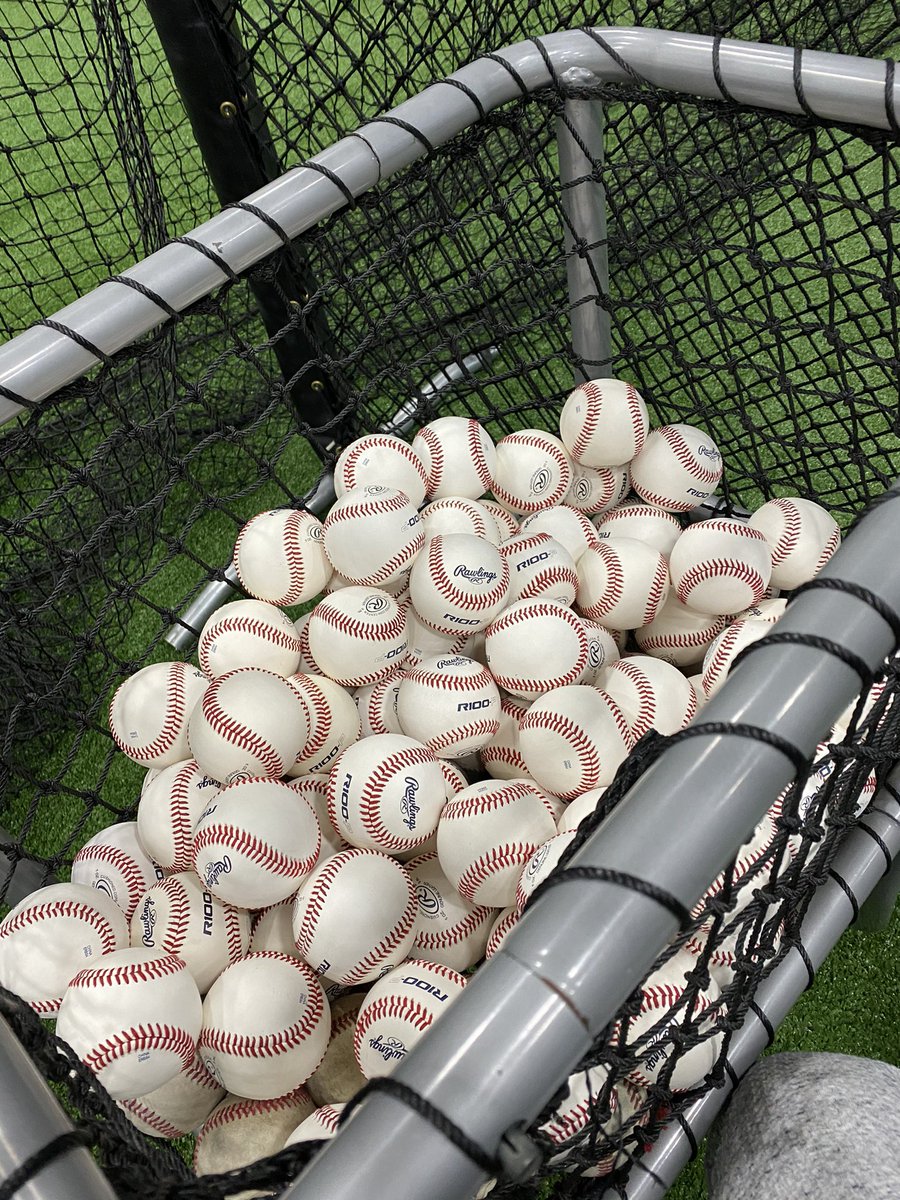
(518,1155)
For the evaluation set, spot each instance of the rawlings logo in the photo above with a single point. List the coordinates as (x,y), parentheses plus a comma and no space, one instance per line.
(540,481)
(709,452)
(409,810)
(474,574)
(104,884)
(581,488)
(529,562)
(206,782)
(388,1048)
(451,662)
(148,920)
(595,655)
(537,861)
(375,604)
(316,533)
(660,1054)
(414,981)
(375,489)
(215,869)
(430,900)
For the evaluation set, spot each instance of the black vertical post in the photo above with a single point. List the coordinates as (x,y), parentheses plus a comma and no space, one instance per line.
(213,75)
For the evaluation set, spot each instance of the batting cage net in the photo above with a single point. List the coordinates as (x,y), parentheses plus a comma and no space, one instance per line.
(751,268)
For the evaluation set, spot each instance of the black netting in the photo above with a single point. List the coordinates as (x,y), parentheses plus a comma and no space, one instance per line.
(751,265)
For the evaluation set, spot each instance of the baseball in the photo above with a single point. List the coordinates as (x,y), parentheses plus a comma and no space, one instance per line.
(301,625)
(458,583)
(678,634)
(248,633)
(767,610)
(271,929)
(178,1107)
(318,1126)
(376,704)
(333,722)
(505,921)
(595,490)
(578,1108)
(355,916)
(621,583)
(248,724)
(500,757)
(240,1131)
(452,704)
(679,467)
(426,643)
(802,536)
(486,835)
(115,862)
(179,916)
(507,522)
(357,636)
(566,525)
(337,1078)
(47,937)
(720,566)
(381,458)
(149,713)
(280,556)
(386,793)
(604,422)
(265,1028)
(573,739)
(133,1018)
(458,514)
(373,534)
(169,808)
(255,842)
(602,650)
(651,693)
(458,456)
(644,522)
(581,807)
(540,865)
(724,650)
(314,790)
(398,587)
(449,929)
(510,642)
(533,471)
(539,568)
(398,1010)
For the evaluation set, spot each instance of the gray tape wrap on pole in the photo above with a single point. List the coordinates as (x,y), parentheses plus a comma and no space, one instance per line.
(40,361)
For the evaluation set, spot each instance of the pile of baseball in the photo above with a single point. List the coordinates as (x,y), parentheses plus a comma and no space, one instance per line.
(311,872)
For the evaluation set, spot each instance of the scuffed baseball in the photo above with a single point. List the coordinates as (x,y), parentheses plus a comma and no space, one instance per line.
(604,422)
(337,1078)
(280,557)
(114,861)
(248,633)
(150,711)
(240,1131)
(176,1108)
(319,1126)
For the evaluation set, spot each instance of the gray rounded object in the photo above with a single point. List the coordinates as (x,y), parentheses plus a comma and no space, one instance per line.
(809,1125)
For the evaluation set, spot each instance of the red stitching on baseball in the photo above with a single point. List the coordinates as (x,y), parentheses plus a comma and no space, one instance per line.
(241,841)
(149,1117)
(268,1045)
(377,508)
(120,861)
(235,733)
(549,577)
(62,908)
(472,678)
(373,790)
(356,450)
(173,720)
(494,860)
(646,696)
(591,421)
(141,1037)
(658,591)
(135,972)
(521,438)
(685,455)
(179,914)
(405,1008)
(388,943)
(479,458)
(469,601)
(731,568)
(790,535)
(318,713)
(695,640)
(299,1098)
(464,734)
(499,932)
(284,639)
(388,632)
(637,418)
(179,814)
(614,589)
(427,940)
(502,754)
(476,517)
(831,547)
(584,749)
(435,466)
(564,1124)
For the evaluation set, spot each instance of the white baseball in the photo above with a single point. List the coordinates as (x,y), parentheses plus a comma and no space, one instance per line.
(248,633)
(678,634)
(398,587)
(337,1078)
(239,1132)
(378,459)
(566,525)
(133,1018)
(451,703)
(596,490)
(504,923)
(449,929)
(255,842)
(644,522)
(679,467)
(458,455)
(540,567)
(176,1108)
(47,937)
(266,1023)
(540,865)
(314,790)
(280,556)
(301,625)
(604,422)
(802,535)
(355,916)
(766,610)
(333,722)
(373,534)
(386,793)
(459,514)
(724,650)
(651,693)
(149,713)
(271,929)
(720,566)
(507,522)
(578,1108)
(114,861)
(533,471)
(247,724)
(510,642)
(500,757)
(425,642)
(398,1010)
(748,870)
(376,704)
(179,916)
(602,650)
(169,808)
(458,583)
(454,778)
(622,583)
(574,739)
(321,1125)
(357,635)
(581,807)
(487,833)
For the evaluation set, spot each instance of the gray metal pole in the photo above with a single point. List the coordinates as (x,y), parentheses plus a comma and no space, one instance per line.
(579,132)
(30,1118)
(860,865)
(531,1012)
(40,361)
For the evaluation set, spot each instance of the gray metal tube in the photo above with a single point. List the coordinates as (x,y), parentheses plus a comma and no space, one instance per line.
(38,362)
(678,826)
(30,1118)
(860,864)
(579,133)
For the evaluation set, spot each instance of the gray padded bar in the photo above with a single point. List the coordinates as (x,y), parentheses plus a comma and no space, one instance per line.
(860,863)
(39,361)
(677,827)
